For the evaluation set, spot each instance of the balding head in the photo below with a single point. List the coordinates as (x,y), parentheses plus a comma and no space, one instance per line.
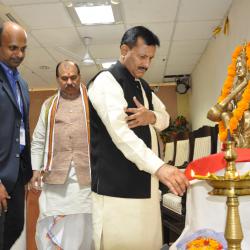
(13,42)
(66,62)
(8,28)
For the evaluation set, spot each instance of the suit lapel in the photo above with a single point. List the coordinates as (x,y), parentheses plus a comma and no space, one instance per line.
(23,96)
(7,88)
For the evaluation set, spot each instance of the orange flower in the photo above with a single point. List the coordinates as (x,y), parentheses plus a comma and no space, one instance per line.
(223,135)
(248,50)
(232,67)
(222,131)
(237,52)
(201,243)
(231,72)
(237,114)
(233,124)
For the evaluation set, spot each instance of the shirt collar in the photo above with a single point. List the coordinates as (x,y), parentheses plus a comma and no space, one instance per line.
(125,71)
(8,70)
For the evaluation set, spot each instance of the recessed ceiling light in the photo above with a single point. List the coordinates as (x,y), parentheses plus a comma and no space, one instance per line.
(95,12)
(99,14)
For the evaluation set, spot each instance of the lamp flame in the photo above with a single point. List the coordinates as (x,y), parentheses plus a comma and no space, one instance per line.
(192,173)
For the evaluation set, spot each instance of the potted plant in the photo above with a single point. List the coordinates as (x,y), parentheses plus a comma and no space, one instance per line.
(180,124)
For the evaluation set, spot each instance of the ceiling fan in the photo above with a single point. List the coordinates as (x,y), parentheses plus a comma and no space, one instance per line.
(87,59)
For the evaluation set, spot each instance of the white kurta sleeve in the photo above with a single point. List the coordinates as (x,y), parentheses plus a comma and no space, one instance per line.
(38,142)
(107,97)
(162,117)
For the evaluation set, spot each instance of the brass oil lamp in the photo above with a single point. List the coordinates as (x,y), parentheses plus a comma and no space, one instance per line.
(230,185)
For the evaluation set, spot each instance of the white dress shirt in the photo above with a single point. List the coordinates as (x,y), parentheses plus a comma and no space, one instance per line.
(109,102)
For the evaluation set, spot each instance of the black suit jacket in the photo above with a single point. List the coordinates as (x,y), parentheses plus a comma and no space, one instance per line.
(10,119)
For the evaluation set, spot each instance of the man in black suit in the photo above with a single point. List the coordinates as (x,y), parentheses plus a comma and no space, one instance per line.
(15,164)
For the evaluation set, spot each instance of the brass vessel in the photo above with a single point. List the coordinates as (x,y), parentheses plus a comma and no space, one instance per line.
(231,185)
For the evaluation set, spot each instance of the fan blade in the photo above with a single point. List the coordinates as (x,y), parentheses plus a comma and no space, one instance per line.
(77,58)
(69,54)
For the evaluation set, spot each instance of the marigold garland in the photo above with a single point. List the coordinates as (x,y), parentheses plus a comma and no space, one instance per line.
(243,104)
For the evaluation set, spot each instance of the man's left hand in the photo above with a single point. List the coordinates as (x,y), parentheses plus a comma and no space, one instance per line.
(141,116)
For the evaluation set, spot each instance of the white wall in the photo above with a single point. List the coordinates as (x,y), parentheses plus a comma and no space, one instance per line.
(211,71)
(183,105)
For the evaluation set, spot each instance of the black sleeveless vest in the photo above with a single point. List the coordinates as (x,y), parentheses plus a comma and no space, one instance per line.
(113,174)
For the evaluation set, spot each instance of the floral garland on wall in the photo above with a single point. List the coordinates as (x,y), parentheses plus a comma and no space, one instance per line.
(243,104)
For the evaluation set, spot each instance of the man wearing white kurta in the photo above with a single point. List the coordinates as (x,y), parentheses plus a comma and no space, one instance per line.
(60,148)
(125,166)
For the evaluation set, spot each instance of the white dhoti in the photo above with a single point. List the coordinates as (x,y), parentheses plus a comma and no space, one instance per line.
(128,224)
(69,232)
(65,216)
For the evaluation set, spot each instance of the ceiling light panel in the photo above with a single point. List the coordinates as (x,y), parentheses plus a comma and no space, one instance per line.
(95,12)
(102,14)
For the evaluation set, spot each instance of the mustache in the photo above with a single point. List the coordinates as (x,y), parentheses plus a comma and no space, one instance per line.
(72,85)
(17,59)
(143,68)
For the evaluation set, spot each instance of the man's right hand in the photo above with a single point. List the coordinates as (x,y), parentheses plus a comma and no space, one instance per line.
(173,178)
(35,181)
(3,199)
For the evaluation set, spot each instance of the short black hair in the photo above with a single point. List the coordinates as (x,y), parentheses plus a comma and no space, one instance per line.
(131,35)
(58,65)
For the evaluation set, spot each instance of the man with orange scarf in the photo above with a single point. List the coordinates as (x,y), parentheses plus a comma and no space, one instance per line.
(60,149)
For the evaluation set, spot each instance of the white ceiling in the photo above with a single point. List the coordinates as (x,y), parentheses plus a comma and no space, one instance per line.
(183,26)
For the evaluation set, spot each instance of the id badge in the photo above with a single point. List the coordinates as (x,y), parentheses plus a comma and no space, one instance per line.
(22,136)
